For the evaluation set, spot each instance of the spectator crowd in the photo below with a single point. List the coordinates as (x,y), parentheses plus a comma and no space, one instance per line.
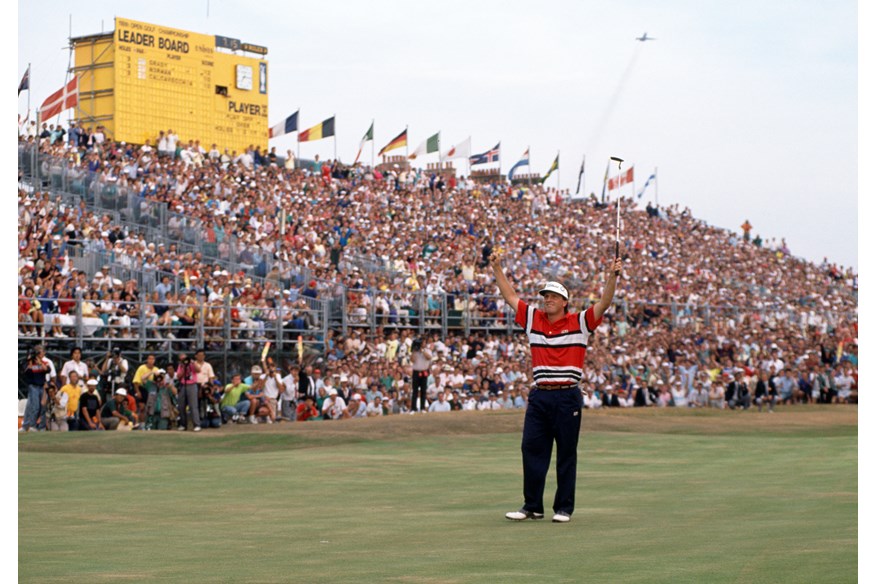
(705,317)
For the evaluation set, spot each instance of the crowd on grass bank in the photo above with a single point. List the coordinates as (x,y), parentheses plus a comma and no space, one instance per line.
(472,374)
(742,308)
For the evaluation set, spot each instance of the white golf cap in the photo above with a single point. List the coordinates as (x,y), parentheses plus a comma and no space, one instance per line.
(556,288)
(121,392)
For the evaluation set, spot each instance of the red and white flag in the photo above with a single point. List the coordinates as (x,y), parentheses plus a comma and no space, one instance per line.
(621,179)
(63,99)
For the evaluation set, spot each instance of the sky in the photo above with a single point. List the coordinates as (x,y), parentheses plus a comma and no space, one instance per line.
(747,110)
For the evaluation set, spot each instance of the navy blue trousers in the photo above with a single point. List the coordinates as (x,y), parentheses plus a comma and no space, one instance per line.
(553,415)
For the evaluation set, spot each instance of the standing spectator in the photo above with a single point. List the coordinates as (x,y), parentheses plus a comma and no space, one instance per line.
(273,386)
(421,360)
(306,384)
(187,380)
(159,400)
(114,370)
(36,375)
(72,390)
(74,364)
(144,373)
(289,395)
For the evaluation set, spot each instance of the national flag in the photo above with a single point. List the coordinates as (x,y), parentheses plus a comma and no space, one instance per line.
(25,81)
(580,176)
(647,182)
(491,155)
(605,181)
(324,130)
(524,161)
(369,135)
(287,126)
(621,179)
(399,141)
(461,150)
(428,146)
(554,166)
(63,99)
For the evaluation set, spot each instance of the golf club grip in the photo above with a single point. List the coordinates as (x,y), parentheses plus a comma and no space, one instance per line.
(617,253)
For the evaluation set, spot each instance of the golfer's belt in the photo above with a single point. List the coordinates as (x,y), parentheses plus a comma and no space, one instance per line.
(550,387)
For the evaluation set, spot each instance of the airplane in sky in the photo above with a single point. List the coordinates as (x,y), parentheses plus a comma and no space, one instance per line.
(645,37)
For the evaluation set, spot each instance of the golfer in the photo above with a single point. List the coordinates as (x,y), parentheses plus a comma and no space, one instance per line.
(558,341)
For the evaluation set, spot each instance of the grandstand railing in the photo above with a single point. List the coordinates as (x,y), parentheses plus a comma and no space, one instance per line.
(152,219)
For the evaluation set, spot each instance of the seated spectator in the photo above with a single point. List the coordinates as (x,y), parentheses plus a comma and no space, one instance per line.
(356,407)
(115,412)
(234,404)
(716,395)
(208,402)
(306,410)
(375,408)
(334,406)
(56,409)
(89,408)
(255,395)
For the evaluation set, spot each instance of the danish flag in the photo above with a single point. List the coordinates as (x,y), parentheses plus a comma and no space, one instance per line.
(63,99)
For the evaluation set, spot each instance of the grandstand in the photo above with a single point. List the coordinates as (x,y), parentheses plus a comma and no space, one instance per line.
(155,254)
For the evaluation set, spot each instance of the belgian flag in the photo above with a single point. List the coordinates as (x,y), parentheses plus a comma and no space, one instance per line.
(324,130)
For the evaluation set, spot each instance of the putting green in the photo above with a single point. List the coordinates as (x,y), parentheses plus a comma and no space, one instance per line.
(663,496)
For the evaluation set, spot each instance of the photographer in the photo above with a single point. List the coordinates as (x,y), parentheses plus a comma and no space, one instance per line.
(187,379)
(36,374)
(421,360)
(159,401)
(114,371)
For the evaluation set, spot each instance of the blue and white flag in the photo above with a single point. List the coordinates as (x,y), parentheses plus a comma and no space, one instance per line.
(647,182)
(486,157)
(522,162)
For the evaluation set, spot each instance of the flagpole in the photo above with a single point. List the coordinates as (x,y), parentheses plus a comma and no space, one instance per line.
(372,144)
(406,141)
(633,196)
(558,173)
(656,201)
(335,136)
(28,93)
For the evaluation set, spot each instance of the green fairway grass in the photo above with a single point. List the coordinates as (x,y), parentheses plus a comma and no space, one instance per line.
(663,496)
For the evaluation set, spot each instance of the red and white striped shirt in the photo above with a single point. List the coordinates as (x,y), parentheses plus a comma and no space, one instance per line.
(558,348)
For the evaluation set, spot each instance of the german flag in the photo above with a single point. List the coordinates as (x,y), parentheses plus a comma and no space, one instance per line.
(397,142)
(324,130)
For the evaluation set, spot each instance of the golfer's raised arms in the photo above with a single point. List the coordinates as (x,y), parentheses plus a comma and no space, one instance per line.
(502,282)
(611,275)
